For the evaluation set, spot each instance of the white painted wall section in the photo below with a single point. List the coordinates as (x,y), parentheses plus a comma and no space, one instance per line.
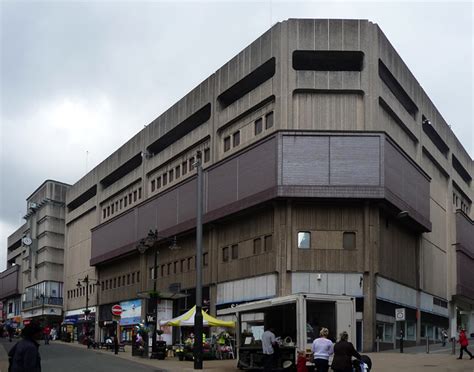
(249,289)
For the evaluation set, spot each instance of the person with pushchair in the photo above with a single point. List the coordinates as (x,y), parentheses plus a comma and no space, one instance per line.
(343,353)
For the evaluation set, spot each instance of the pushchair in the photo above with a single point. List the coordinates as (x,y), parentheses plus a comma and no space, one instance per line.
(364,364)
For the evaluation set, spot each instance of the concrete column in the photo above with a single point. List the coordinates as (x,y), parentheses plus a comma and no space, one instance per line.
(369,321)
(453,324)
(470,324)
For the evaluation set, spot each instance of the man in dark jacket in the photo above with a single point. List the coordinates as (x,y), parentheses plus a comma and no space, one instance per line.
(24,356)
(343,353)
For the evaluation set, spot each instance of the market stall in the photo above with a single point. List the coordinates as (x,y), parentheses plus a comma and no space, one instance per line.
(211,347)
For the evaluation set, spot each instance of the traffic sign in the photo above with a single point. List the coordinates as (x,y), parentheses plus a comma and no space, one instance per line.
(117,310)
(400,314)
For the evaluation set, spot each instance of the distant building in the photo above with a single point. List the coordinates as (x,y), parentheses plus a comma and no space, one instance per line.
(32,284)
(333,186)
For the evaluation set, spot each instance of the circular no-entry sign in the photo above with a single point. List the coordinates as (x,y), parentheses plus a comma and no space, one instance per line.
(117,310)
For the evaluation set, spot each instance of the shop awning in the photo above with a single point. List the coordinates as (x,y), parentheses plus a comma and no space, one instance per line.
(187,320)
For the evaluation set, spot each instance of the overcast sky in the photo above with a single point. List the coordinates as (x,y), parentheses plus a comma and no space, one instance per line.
(78,79)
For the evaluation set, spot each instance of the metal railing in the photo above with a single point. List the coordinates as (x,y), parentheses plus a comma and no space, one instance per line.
(38,302)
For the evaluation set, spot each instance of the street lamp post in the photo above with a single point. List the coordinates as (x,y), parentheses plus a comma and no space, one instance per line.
(144,244)
(86,281)
(198,321)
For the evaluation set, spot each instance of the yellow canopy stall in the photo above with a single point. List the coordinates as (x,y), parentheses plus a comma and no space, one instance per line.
(187,320)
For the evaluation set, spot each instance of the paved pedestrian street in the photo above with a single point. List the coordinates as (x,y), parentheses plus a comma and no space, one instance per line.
(62,357)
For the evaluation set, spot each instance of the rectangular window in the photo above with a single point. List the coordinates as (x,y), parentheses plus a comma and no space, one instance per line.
(258,126)
(130,198)
(125,202)
(189,263)
(123,280)
(225,254)
(138,276)
(106,284)
(139,193)
(108,211)
(227,143)
(118,281)
(177,171)
(205,259)
(115,282)
(349,240)
(162,271)
(328,60)
(182,265)
(236,139)
(169,269)
(171,175)
(165,179)
(158,182)
(235,251)
(152,274)
(269,120)
(152,185)
(304,239)
(112,209)
(175,264)
(133,278)
(128,279)
(256,245)
(184,167)
(104,213)
(135,194)
(116,206)
(268,243)
(191,164)
(207,155)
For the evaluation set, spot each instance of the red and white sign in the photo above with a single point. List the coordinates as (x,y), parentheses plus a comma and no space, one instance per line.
(117,310)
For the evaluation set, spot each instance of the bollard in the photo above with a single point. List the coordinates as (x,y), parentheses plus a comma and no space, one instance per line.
(378,344)
(427,344)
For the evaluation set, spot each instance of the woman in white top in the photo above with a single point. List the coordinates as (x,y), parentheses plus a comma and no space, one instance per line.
(322,348)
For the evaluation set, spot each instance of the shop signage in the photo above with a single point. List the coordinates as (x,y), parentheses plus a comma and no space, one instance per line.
(150,318)
(131,312)
(400,314)
(117,310)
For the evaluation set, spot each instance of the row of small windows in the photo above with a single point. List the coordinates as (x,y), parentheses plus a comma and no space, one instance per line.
(260,245)
(439,302)
(175,173)
(179,266)
(459,203)
(233,140)
(122,203)
(348,240)
(121,281)
(81,291)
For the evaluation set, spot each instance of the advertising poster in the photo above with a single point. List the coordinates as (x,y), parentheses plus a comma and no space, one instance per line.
(165,312)
(131,312)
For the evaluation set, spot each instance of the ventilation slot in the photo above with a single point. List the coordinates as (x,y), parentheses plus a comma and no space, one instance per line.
(122,171)
(179,131)
(434,136)
(325,60)
(397,89)
(247,84)
(461,170)
(81,199)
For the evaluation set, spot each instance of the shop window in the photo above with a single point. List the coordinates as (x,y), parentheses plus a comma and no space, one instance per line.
(268,243)
(205,259)
(349,240)
(207,155)
(171,175)
(256,245)
(227,143)
(304,239)
(177,171)
(269,120)
(235,251)
(225,254)
(165,179)
(184,167)
(258,126)
(236,139)
(158,182)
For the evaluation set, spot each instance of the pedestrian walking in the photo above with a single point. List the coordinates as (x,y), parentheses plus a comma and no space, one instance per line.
(322,349)
(343,353)
(24,355)
(46,331)
(444,336)
(268,348)
(463,341)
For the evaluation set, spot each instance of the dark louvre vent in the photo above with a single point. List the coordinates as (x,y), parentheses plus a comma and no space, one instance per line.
(122,171)
(461,170)
(328,60)
(81,199)
(257,77)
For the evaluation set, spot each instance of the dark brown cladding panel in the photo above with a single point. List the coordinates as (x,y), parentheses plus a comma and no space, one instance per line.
(9,282)
(465,234)
(465,275)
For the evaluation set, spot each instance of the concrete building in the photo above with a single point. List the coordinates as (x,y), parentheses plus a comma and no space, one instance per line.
(333,186)
(32,284)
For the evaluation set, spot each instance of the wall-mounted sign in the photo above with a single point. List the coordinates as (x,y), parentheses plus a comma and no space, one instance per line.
(131,312)
(400,314)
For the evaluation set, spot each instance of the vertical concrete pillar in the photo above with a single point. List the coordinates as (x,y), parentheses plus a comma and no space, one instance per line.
(453,324)
(282,230)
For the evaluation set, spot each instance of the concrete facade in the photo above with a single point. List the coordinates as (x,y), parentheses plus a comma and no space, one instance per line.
(318,126)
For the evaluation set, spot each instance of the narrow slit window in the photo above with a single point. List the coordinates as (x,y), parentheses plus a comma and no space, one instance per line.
(158,182)
(184,167)
(236,139)
(165,179)
(177,171)
(191,164)
(152,185)
(258,126)
(207,155)
(269,120)
(171,175)
(227,143)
